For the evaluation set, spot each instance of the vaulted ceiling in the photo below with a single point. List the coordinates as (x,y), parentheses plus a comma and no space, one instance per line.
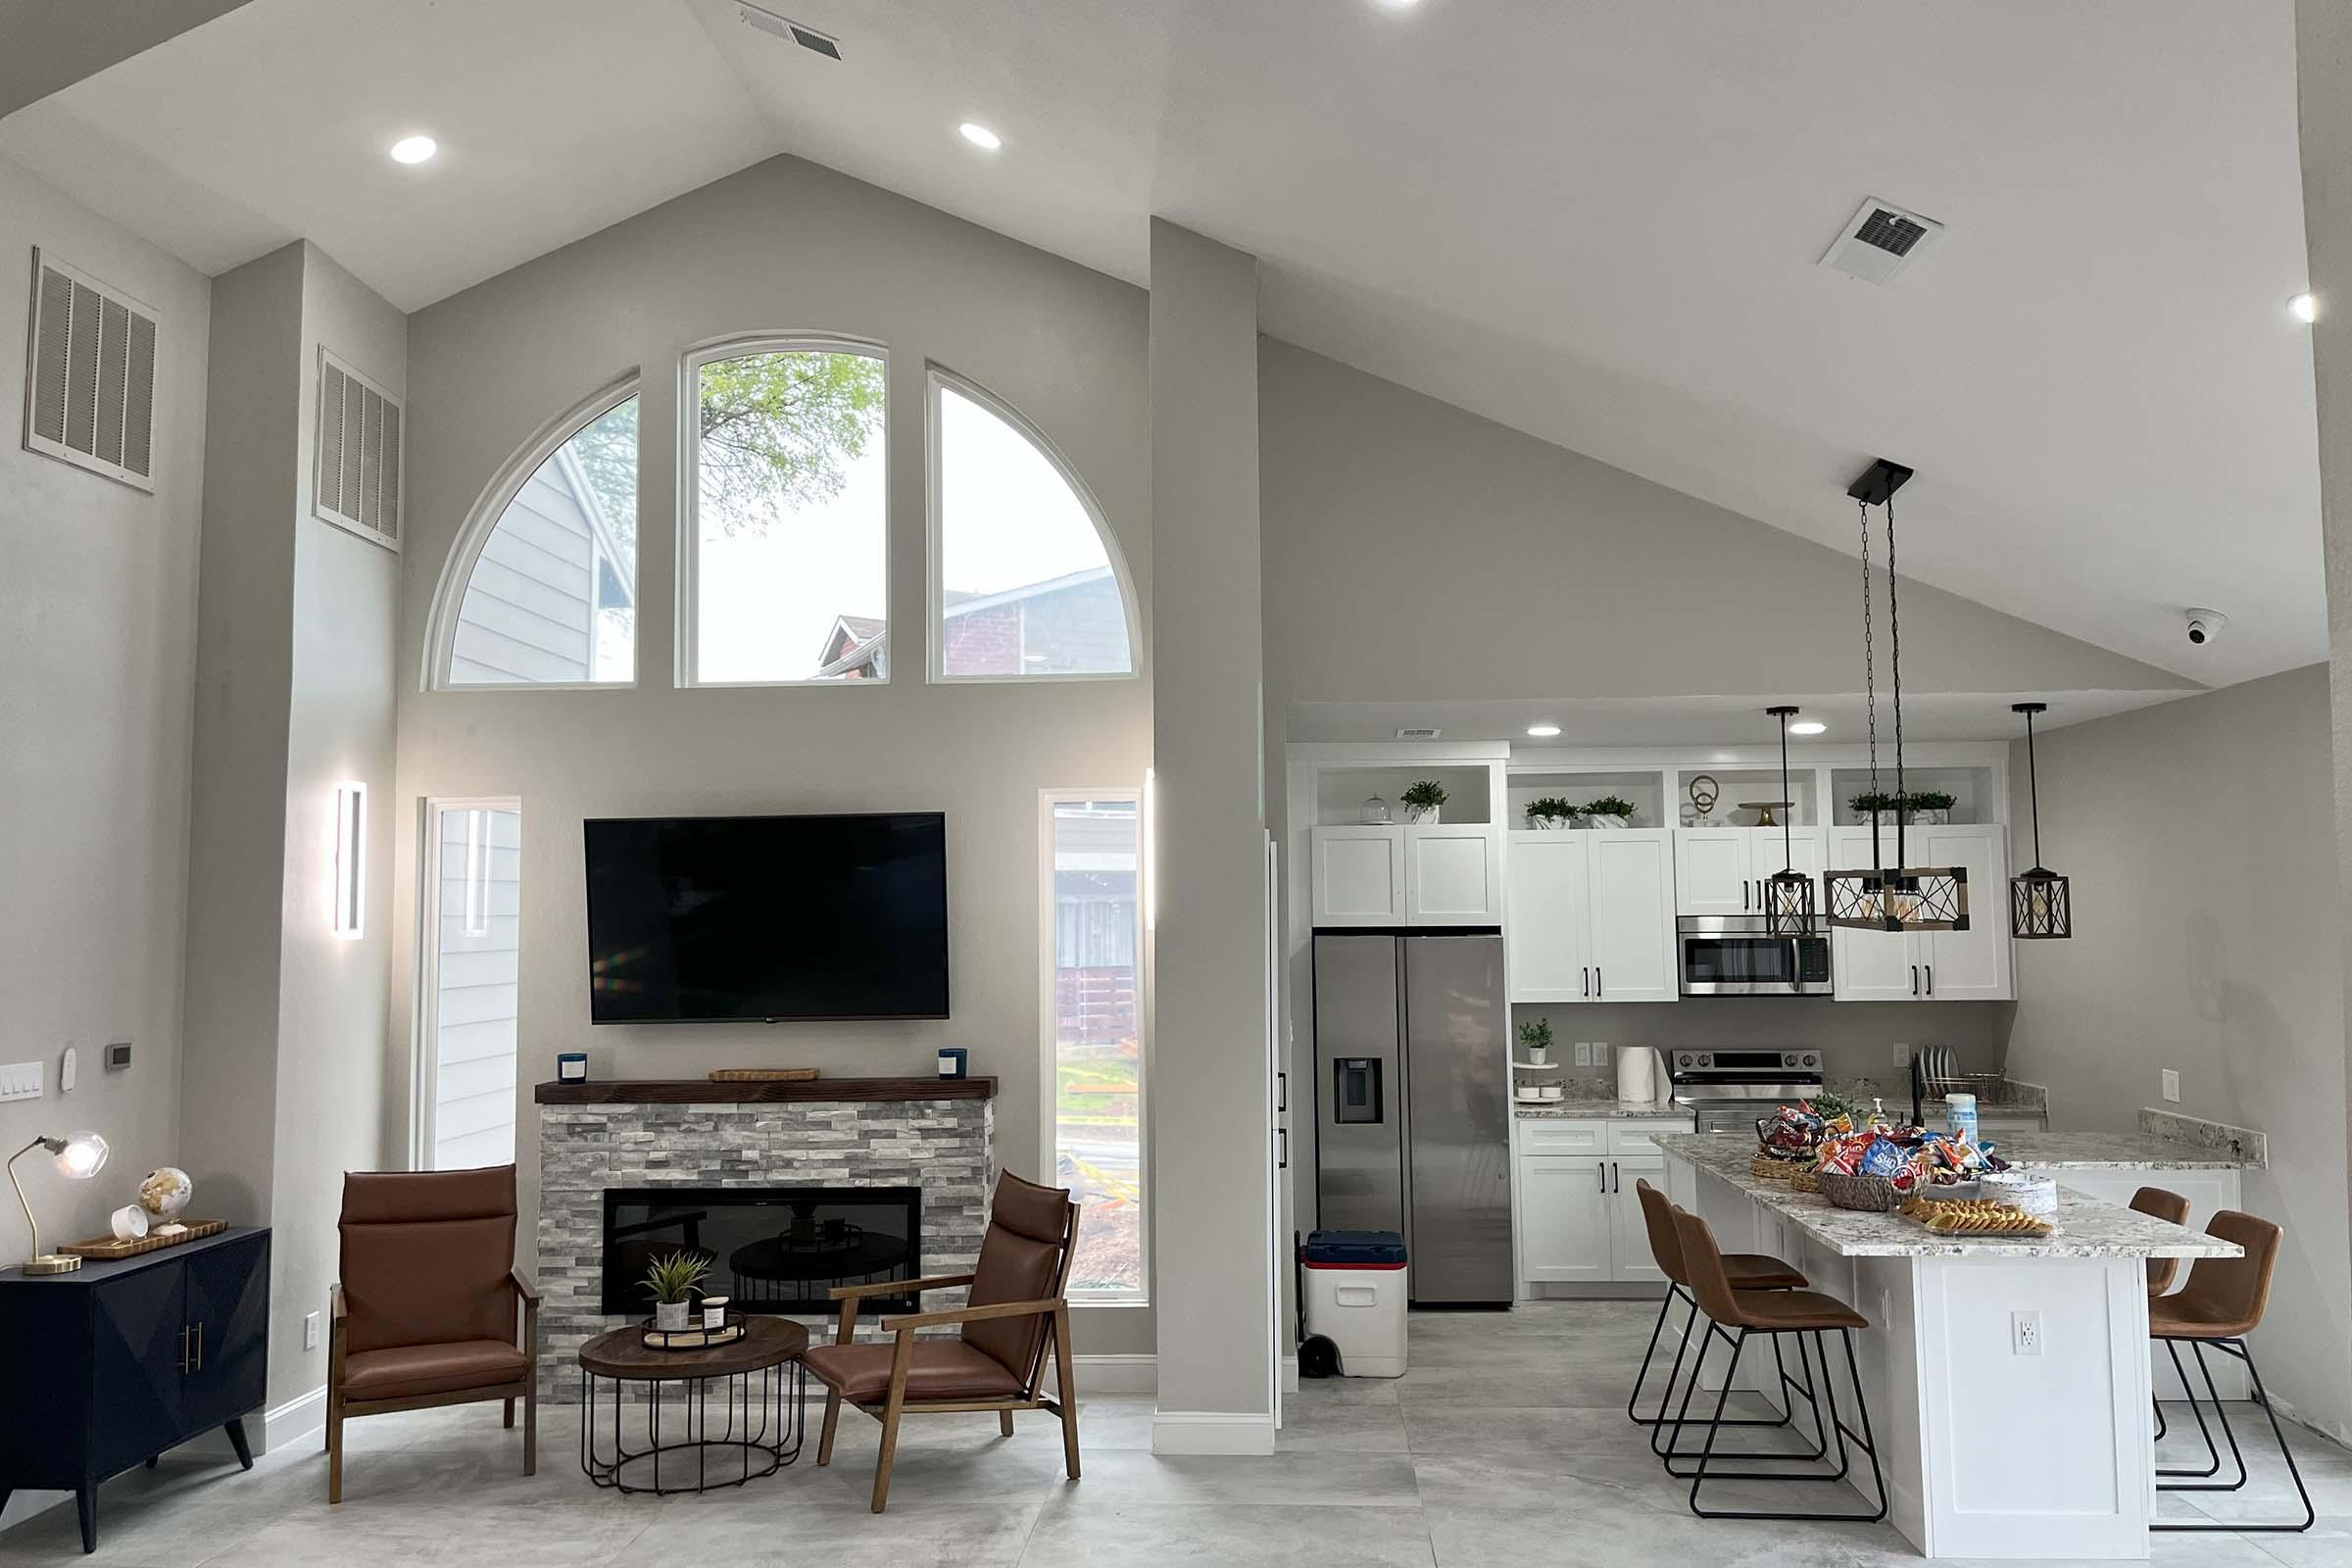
(1596,221)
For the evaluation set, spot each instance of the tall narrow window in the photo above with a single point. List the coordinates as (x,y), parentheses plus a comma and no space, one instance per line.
(788,537)
(1092,933)
(1028,585)
(471,982)
(550,592)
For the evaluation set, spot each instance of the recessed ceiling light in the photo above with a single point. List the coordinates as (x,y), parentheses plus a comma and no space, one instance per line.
(1543,729)
(980,136)
(2304,307)
(1807,726)
(1398,5)
(414,149)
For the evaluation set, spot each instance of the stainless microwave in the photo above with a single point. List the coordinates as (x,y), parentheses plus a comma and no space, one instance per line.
(1734,955)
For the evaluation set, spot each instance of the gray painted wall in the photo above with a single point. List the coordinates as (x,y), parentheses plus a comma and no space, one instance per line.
(2207,916)
(781,245)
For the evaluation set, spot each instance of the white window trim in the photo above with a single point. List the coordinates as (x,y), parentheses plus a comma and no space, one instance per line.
(935,377)
(424,1046)
(457,568)
(1049,1044)
(690,486)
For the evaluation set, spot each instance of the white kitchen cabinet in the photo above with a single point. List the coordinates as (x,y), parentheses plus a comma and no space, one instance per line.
(1358,875)
(1630,1254)
(1564,1230)
(1406,873)
(1970,965)
(1722,871)
(1592,916)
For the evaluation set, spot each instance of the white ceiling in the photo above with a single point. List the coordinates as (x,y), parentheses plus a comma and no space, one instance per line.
(1591,221)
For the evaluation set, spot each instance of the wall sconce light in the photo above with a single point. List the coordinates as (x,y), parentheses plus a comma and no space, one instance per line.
(351,859)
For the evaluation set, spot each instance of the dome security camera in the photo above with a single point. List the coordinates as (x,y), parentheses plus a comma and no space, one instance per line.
(2204,625)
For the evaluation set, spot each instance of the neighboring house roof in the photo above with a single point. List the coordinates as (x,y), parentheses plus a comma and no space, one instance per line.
(857,648)
(954,602)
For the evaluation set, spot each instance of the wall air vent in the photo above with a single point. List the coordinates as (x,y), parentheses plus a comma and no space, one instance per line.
(89,388)
(1417,732)
(1880,241)
(809,38)
(359,449)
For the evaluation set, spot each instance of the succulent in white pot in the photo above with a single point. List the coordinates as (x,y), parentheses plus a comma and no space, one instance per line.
(1423,799)
(673,1280)
(1550,814)
(1610,810)
(1535,1037)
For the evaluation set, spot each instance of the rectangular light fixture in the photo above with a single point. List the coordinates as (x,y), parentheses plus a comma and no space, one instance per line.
(351,859)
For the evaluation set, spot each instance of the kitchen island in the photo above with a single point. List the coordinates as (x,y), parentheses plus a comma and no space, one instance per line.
(2008,1381)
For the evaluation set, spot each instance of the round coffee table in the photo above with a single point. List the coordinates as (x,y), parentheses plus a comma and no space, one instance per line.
(756,1432)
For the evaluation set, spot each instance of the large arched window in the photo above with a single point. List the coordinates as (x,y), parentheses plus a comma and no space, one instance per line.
(785,552)
(541,589)
(1027,583)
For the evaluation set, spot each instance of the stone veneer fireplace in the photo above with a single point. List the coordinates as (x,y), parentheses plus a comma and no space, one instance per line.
(934,1135)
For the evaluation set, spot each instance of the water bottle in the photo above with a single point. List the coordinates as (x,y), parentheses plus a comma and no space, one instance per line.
(1964,1116)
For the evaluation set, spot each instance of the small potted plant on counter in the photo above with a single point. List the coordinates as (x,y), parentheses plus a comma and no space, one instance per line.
(673,1280)
(1535,1038)
(1928,808)
(1422,800)
(1610,810)
(1550,814)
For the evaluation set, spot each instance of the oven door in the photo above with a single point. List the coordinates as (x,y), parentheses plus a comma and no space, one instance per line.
(1723,956)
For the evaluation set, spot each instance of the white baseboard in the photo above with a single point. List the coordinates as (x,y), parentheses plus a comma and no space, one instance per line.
(1289,1374)
(1211,1432)
(1113,1374)
(300,1419)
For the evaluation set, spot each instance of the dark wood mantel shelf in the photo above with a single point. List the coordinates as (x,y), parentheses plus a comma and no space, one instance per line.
(704,1092)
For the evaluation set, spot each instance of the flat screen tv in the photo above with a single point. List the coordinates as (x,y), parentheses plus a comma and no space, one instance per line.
(762,918)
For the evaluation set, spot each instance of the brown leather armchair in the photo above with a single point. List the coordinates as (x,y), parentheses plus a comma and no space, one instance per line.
(426,1311)
(999,1360)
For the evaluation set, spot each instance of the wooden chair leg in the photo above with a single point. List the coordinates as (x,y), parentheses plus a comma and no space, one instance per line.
(335,1450)
(1067,1376)
(824,1442)
(510,1420)
(530,1427)
(890,1418)
(1005,1423)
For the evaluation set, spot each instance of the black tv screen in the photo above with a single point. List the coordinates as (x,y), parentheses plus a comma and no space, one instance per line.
(751,918)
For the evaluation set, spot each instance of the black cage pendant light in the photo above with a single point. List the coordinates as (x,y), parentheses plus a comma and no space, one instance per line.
(1903,897)
(1787,892)
(2041,908)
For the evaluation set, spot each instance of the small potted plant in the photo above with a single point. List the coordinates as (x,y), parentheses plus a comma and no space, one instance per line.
(1550,814)
(1931,807)
(674,1280)
(1536,1037)
(1422,798)
(1610,810)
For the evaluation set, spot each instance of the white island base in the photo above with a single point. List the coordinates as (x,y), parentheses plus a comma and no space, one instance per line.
(1990,1448)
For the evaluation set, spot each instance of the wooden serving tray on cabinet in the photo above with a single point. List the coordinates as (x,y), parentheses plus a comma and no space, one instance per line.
(107,1248)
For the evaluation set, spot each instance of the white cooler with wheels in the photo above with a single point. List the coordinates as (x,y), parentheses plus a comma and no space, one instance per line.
(1356,1297)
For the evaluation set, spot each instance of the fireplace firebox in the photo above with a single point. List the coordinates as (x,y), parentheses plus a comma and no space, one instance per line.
(771,1249)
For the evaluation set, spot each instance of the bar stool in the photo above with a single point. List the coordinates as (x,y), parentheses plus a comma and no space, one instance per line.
(1774,1312)
(2222,1303)
(2173,1209)
(1748,1271)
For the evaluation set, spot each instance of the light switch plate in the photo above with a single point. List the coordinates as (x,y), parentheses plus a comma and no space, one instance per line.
(1584,1053)
(310,1332)
(2171,1086)
(1902,1054)
(21,1080)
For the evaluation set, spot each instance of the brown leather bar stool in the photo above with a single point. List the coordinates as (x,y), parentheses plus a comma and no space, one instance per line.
(1735,1315)
(1748,1271)
(2173,1209)
(2221,1304)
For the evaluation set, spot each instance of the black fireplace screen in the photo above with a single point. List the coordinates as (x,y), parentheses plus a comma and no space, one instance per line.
(772,1249)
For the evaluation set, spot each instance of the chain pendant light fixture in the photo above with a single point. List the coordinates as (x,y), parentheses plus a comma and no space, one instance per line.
(1787,892)
(2041,908)
(1903,897)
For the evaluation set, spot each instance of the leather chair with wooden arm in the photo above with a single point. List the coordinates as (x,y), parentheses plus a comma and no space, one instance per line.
(430,1311)
(997,1362)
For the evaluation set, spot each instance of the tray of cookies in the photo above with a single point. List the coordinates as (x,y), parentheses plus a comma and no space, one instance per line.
(1975,1218)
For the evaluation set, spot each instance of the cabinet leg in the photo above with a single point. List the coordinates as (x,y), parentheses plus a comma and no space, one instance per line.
(235,1428)
(85,1504)
(152,1459)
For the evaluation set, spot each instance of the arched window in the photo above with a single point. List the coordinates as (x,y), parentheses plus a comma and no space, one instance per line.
(785,552)
(1027,583)
(541,589)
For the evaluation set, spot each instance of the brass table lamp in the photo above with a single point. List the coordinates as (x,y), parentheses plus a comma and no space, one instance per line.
(78,1155)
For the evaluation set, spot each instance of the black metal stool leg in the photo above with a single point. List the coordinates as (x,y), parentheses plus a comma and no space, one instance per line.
(1865,1440)
(1674,1449)
(1666,1397)
(2262,1397)
(2212,1454)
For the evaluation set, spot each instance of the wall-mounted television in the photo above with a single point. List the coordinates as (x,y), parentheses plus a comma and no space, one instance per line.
(765,918)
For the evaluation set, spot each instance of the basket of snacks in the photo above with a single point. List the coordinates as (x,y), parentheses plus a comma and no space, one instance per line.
(1772,1168)
(1806,1180)
(1870,1194)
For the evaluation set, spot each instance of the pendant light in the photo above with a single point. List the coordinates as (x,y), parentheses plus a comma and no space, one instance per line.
(2041,908)
(1903,897)
(1787,892)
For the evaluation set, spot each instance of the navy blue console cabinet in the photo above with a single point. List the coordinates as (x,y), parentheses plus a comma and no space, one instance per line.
(113,1363)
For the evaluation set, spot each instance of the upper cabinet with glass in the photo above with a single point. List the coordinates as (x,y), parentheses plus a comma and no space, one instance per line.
(1027,584)
(544,579)
(786,532)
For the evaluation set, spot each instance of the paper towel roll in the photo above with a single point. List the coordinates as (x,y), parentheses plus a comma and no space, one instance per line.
(1641,1075)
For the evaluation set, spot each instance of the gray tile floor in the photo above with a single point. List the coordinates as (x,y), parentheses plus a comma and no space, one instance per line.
(1506,1443)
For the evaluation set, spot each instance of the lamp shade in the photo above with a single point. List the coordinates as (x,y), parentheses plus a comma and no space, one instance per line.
(80,1156)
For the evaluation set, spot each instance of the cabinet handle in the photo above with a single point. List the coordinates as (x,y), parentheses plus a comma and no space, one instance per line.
(1599,987)
(1600,1173)
(199,1346)
(1931,979)
(1282,1092)
(1284,1133)
(184,1368)
(1616,1178)
(1915,979)
(1586,979)
(1743,894)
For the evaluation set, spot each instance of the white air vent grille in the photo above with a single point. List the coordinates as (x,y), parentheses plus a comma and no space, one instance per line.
(782,26)
(359,453)
(1416,732)
(1880,241)
(89,388)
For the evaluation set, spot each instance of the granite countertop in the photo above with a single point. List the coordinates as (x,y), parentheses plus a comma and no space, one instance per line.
(2085,1227)
(1595,1109)
(2048,1151)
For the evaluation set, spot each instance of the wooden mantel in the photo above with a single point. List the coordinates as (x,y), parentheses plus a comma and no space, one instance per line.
(704,1092)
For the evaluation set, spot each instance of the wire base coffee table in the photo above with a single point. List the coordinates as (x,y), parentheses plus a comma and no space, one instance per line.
(734,1412)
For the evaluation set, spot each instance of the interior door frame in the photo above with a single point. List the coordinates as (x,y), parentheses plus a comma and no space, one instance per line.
(423,1053)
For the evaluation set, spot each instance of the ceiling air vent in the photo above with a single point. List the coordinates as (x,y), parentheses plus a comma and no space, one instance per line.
(809,38)
(1417,732)
(89,393)
(1880,241)
(358,450)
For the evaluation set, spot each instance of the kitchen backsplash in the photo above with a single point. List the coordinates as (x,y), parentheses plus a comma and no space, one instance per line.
(1856,1039)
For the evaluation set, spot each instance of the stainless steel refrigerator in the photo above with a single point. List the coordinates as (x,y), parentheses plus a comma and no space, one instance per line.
(1412,1104)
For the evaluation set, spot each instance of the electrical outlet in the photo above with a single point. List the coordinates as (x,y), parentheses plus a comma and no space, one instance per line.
(21,1081)
(1902,1054)
(1601,1053)
(2025,1334)
(1584,1053)
(2171,1086)
(310,1332)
